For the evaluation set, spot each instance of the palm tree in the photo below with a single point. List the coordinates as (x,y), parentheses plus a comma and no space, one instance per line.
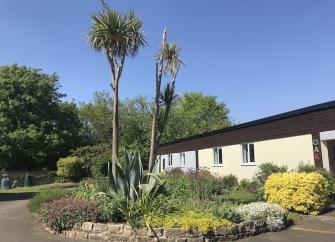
(118,36)
(168,62)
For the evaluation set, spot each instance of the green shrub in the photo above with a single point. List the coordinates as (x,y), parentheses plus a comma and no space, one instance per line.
(64,213)
(229,182)
(251,186)
(267,169)
(99,167)
(95,158)
(330,180)
(70,169)
(44,197)
(227,211)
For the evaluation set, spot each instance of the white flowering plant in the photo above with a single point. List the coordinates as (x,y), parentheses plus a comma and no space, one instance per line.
(274,214)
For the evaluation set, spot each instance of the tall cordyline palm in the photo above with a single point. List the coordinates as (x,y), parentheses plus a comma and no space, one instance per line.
(168,62)
(118,36)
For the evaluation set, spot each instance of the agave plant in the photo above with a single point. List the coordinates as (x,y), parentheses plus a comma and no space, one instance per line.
(130,181)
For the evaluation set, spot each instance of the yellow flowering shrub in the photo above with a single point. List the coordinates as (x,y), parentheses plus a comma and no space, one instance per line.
(204,222)
(301,192)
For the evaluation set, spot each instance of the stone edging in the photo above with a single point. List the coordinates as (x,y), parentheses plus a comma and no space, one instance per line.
(125,233)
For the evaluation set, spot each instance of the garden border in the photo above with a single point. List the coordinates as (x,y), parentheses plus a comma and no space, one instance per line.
(125,233)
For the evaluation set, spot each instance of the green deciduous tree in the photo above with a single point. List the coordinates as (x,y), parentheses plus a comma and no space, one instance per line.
(191,114)
(36,128)
(195,113)
(118,36)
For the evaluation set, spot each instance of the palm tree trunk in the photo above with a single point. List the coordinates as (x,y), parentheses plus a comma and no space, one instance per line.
(154,127)
(115,143)
(153,143)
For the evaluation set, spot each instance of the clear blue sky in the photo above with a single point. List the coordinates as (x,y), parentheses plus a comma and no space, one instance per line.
(261,57)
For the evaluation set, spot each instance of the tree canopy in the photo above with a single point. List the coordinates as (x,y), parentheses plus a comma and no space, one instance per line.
(191,114)
(36,127)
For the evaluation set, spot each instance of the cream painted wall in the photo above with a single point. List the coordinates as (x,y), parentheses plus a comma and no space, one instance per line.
(286,151)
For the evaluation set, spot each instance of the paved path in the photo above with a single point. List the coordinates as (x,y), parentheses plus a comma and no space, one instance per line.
(18,225)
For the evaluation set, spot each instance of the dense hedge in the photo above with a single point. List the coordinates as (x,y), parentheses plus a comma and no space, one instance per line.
(301,192)
(70,169)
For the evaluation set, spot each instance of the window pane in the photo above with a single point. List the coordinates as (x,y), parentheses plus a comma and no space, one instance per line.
(215,150)
(220,156)
(245,153)
(163,164)
(252,153)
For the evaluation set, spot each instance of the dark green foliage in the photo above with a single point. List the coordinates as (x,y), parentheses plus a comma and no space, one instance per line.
(64,213)
(95,158)
(44,197)
(189,115)
(36,127)
(195,113)
(330,180)
(267,169)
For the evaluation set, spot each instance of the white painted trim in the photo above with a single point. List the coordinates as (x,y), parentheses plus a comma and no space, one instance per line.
(327,135)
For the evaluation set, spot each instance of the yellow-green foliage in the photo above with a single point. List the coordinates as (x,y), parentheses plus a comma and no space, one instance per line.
(204,222)
(301,192)
(70,168)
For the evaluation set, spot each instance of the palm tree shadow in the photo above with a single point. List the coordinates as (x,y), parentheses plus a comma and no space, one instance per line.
(6,197)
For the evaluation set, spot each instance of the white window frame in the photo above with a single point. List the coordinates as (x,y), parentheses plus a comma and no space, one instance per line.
(170,163)
(216,156)
(182,157)
(246,158)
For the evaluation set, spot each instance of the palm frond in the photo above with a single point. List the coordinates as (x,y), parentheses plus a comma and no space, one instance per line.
(118,35)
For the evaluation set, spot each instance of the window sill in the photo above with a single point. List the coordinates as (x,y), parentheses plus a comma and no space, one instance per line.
(248,164)
(217,165)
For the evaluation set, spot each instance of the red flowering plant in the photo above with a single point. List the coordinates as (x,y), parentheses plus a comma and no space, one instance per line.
(64,213)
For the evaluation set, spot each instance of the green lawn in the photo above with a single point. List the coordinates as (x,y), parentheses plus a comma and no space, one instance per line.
(40,188)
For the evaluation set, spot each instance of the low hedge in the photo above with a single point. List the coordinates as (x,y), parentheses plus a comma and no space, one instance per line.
(301,192)
(44,197)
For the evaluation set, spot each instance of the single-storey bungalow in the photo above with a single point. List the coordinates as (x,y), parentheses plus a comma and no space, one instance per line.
(305,135)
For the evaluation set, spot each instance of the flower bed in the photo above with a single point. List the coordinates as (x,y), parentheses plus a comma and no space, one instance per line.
(123,232)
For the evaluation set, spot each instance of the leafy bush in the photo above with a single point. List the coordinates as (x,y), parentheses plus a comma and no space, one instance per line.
(274,214)
(198,185)
(109,205)
(251,186)
(267,169)
(64,213)
(227,211)
(44,197)
(191,220)
(330,180)
(302,192)
(70,169)
(229,182)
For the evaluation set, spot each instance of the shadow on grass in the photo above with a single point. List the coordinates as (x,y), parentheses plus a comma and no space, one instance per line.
(6,197)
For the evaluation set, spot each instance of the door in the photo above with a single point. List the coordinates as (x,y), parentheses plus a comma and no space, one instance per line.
(331,155)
